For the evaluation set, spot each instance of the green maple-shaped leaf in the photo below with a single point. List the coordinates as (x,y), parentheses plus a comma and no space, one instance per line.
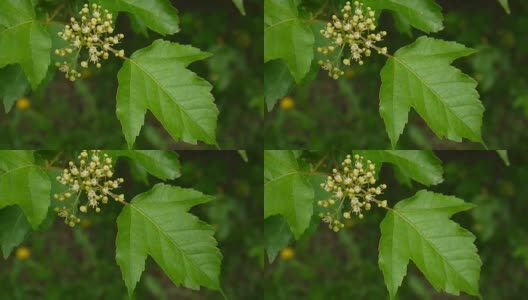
(287,37)
(160,163)
(419,229)
(420,76)
(24,41)
(505,5)
(157,223)
(277,82)
(277,235)
(240,6)
(286,191)
(13,85)
(156,78)
(158,15)
(503,154)
(425,15)
(24,184)
(421,165)
(14,228)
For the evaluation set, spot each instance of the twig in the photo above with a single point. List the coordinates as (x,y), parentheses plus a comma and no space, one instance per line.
(56,11)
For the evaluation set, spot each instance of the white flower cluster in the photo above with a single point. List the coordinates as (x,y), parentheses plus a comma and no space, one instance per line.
(93,176)
(94,33)
(353,184)
(352,37)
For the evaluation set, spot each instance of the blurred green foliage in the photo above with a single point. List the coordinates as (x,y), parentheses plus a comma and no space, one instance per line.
(62,114)
(79,263)
(326,265)
(329,114)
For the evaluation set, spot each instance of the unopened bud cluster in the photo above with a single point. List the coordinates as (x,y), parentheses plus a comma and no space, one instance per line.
(353,190)
(93,176)
(352,38)
(93,32)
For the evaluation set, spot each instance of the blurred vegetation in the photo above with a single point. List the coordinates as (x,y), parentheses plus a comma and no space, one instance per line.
(58,262)
(326,265)
(329,114)
(61,114)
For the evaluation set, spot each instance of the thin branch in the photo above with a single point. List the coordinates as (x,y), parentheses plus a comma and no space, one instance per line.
(319,163)
(122,201)
(117,52)
(54,160)
(377,49)
(50,22)
(52,168)
(319,12)
(54,14)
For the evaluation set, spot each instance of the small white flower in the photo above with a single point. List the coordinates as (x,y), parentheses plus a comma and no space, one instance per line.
(64,68)
(92,202)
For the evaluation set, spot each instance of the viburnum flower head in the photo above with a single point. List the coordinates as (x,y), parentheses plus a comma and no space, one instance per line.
(352,37)
(353,191)
(92,175)
(93,32)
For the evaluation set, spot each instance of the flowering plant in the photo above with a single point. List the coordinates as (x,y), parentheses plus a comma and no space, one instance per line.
(93,32)
(352,36)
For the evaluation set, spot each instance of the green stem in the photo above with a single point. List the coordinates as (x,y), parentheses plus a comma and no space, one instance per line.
(76,200)
(319,163)
(54,14)
(223,294)
(337,59)
(320,11)
(376,48)
(340,205)
(51,22)
(54,160)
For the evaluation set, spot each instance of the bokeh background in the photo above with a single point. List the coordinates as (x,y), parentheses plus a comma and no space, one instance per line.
(326,265)
(328,114)
(61,114)
(58,262)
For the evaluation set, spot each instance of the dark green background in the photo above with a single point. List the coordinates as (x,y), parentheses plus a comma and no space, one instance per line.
(80,263)
(82,114)
(339,266)
(331,114)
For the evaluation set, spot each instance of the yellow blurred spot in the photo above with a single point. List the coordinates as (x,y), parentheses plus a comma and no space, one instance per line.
(23,103)
(349,223)
(214,77)
(507,188)
(86,223)
(350,73)
(23,253)
(287,103)
(220,189)
(287,253)
(243,39)
(86,73)
(507,38)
